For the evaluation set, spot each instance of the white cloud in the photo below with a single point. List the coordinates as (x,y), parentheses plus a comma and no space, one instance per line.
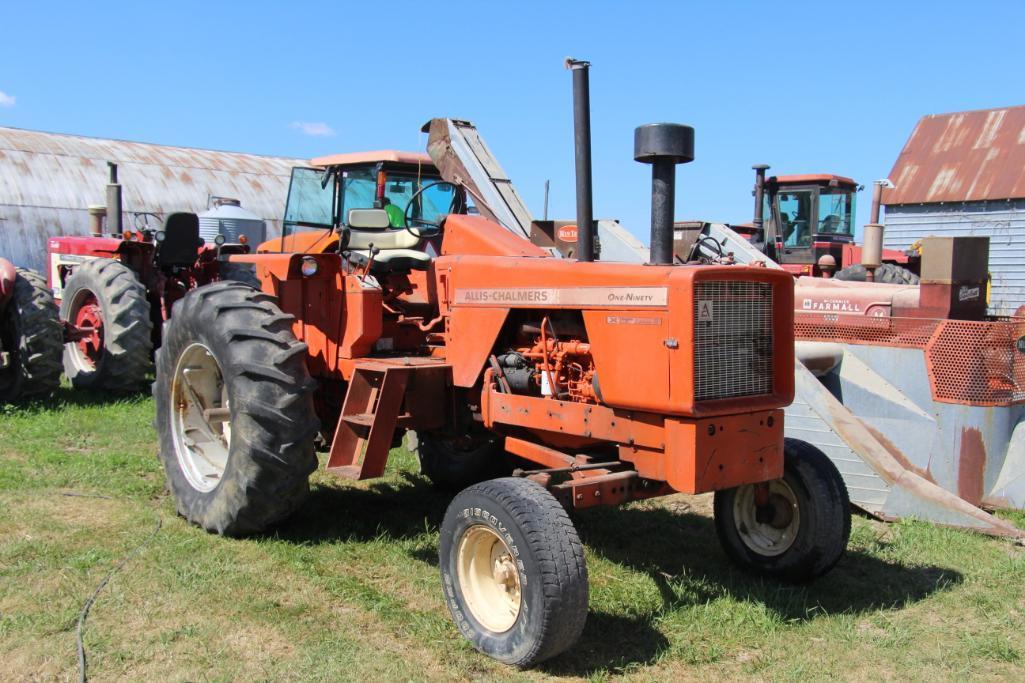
(315,128)
(6,100)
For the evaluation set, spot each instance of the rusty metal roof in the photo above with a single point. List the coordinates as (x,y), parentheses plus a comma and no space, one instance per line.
(959,157)
(47,180)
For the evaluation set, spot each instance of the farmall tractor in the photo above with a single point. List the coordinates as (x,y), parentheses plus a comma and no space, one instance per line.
(609,382)
(30,335)
(116,287)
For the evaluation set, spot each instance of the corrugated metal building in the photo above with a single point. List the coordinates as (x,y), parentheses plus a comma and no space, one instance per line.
(48,180)
(964,174)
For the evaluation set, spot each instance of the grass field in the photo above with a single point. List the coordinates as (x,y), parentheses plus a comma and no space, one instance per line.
(349,588)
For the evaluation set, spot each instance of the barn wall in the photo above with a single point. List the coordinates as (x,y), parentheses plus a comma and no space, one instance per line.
(1002,221)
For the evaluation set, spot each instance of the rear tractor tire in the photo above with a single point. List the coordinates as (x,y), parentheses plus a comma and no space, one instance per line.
(235,414)
(30,335)
(802,531)
(513,571)
(105,295)
(452,464)
(239,272)
(887,273)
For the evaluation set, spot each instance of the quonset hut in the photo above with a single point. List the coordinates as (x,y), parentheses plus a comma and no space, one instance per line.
(964,174)
(48,180)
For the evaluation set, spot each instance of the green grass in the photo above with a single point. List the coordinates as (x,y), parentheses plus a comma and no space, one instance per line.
(348,588)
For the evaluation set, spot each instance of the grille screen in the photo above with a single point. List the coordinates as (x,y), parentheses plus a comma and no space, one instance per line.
(732,339)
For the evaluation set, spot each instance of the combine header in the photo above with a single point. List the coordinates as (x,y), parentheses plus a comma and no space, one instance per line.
(606,382)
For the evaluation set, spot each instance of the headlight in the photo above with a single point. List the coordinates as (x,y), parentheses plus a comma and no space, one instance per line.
(159,237)
(219,240)
(310,266)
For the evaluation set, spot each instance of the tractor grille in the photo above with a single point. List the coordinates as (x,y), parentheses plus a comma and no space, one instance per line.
(732,339)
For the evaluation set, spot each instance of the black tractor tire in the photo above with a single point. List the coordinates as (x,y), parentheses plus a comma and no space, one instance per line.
(31,332)
(815,519)
(532,536)
(125,357)
(452,466)
(887,273)
(261,369)
(239,272)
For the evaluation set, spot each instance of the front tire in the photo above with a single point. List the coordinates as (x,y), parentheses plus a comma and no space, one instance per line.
(235,413)
(802,531)
(105,295)
(31,337)
(513,571)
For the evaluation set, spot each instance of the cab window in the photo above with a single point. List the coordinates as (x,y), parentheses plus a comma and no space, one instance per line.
(794,215)
(836,212)
(310,205)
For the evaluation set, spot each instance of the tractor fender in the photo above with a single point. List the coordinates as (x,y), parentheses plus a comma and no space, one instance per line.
(8,274)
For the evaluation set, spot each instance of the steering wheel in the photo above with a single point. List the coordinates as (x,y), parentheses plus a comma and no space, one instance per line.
(434,227)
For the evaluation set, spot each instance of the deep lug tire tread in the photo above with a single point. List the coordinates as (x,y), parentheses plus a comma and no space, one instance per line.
(239,272)
(127,328)
(553,551)
(273,420)
(37,331)
(887,273)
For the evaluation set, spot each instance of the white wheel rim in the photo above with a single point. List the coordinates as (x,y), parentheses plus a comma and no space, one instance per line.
(488,578)
(200,418)
(772,538)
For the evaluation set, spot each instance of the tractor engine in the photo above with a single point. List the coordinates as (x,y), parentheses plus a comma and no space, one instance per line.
(545,362)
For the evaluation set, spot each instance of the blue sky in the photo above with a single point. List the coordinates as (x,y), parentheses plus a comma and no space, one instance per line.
(806,87)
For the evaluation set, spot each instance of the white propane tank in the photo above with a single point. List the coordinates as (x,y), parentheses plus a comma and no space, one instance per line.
(227,217)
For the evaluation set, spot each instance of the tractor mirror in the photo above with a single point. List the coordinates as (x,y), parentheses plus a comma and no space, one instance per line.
(369,219)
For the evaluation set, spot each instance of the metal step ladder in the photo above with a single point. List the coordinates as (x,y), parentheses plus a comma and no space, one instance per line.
(371,414)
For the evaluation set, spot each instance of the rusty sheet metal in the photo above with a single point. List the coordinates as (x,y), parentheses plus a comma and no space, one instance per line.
(964,156)
(906,492)
(47,180)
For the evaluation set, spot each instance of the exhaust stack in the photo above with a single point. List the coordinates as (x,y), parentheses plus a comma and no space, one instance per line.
(663,145)
(114,225)
(872,234)
(582,141)
(759,193)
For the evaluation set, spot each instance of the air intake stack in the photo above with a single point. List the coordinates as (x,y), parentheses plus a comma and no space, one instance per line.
(663,145)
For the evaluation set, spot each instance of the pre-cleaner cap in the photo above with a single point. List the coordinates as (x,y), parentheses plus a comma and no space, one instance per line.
(664,142)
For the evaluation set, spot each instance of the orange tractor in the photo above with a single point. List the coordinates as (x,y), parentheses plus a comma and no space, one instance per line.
(30,335)
(600,383)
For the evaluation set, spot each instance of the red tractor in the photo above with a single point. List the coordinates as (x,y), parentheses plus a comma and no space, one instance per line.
(810,228)
(30,335)
(116,289)
(606,382)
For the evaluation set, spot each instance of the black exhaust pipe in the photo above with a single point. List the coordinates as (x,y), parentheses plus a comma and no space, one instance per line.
(759,193)
(114,224)
(663,145)
(582,140)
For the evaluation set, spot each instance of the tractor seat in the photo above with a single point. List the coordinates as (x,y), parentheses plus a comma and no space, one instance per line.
(391,260)
(372,227)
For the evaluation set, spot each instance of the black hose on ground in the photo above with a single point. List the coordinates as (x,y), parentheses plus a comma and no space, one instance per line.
(84,614)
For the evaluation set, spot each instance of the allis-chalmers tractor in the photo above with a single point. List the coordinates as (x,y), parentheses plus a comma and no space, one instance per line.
(606,382)
(30,335)
(115,289)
